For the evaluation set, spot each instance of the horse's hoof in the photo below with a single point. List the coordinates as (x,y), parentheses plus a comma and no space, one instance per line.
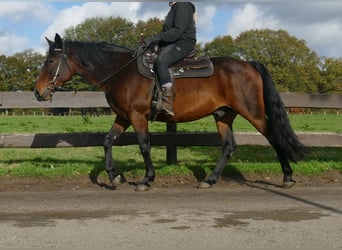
(119,179)
(289,184)
(142,188)
(204,185)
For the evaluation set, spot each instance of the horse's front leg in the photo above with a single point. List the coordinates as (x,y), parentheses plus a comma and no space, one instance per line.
(145,150)
(119,126)
(140,125)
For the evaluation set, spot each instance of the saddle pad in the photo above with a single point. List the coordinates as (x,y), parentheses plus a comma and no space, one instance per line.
(201,68)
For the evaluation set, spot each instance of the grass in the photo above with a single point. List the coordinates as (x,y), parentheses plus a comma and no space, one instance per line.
(197,161)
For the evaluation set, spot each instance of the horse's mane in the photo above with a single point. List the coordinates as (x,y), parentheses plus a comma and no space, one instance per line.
(92,53)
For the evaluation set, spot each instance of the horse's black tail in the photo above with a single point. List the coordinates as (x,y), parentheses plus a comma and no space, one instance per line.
(282,135)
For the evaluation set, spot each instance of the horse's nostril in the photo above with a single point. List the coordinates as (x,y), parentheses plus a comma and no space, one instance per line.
(36,93)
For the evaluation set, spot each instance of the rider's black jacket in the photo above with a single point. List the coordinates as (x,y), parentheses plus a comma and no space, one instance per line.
(179,24)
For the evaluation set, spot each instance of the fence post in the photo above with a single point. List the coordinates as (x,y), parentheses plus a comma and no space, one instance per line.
(171,151)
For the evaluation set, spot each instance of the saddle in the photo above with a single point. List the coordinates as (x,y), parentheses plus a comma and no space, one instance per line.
(191,66)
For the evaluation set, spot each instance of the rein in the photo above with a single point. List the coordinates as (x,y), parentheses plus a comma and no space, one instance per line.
(103,81)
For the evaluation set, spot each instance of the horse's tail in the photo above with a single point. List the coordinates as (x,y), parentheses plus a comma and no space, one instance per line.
(278,123)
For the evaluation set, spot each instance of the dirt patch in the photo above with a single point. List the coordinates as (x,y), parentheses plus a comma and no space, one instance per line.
(331,178)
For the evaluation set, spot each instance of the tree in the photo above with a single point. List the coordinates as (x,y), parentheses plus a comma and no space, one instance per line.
(331,76)
(4,74)
(96,29)
(114,30)
(31,63)
(292,64)
(19,72)
(221,46)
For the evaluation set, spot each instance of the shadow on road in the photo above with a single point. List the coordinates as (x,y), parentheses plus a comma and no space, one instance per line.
(254,184)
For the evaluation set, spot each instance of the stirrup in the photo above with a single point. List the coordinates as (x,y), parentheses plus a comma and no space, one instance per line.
(168,112)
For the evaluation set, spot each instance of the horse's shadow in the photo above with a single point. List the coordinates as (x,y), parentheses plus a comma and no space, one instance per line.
(231,173)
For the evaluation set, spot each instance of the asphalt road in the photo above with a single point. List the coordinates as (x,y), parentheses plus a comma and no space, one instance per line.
(251,216)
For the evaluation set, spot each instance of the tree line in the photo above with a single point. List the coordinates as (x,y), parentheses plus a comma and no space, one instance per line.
(294,66)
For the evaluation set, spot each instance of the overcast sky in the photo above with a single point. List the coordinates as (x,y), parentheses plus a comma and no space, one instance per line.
(24,25)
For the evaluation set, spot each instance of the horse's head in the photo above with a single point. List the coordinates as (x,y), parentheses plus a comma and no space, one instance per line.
(57,70)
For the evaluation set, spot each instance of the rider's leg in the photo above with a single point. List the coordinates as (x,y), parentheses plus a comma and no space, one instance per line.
(169,55)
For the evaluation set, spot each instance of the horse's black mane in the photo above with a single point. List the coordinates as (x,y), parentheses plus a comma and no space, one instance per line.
(94,53)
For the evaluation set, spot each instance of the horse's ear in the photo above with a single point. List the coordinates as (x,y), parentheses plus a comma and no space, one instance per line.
(51,43)
(58,41)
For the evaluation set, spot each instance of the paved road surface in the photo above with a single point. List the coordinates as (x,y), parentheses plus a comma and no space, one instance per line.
(249,216)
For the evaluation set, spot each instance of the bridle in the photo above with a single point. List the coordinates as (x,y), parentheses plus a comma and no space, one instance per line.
(52,86)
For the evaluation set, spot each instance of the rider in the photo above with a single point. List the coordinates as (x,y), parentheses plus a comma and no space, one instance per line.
(177,39)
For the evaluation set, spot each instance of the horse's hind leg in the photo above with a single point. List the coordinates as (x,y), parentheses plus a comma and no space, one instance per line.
(119,126)
(288,181)
(261,125)
(224,128)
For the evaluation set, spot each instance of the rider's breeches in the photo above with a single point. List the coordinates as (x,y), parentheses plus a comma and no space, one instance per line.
(169,55)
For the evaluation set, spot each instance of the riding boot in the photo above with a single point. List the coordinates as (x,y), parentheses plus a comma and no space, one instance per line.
(168,97)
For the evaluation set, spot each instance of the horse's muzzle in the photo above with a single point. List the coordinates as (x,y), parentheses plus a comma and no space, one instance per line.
(38,96)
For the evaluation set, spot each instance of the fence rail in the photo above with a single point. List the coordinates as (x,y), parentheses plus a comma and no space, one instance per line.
(63,140)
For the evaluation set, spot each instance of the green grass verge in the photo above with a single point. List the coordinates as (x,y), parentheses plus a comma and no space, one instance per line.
(198,161)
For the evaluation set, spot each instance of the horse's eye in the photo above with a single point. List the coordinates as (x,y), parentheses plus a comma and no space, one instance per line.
(51,59)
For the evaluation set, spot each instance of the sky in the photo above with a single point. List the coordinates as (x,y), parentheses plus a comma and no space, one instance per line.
(24,25)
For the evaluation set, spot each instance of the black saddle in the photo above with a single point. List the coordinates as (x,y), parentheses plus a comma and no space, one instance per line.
(191,66)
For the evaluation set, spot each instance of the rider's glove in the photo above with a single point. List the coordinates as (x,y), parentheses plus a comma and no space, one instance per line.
(150,41)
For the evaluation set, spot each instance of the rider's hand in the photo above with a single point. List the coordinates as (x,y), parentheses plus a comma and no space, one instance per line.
(150,41)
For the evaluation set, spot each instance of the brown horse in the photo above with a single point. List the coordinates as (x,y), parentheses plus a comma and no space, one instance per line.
(235,88)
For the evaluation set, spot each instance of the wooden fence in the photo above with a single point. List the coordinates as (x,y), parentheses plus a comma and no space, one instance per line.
(171,139)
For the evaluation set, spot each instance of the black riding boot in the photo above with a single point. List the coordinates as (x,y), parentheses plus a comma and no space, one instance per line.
(168,98)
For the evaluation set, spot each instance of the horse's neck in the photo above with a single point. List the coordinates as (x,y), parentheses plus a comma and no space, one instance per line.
(100,75)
